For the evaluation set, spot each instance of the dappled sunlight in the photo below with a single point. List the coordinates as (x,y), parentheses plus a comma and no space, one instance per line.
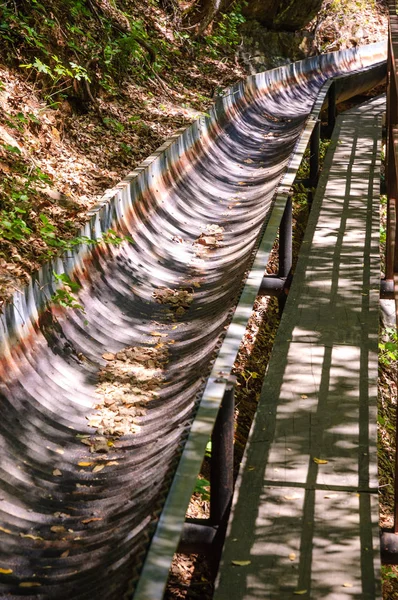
(305,513)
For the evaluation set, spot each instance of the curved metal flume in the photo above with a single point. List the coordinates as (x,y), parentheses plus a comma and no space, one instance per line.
(76,513)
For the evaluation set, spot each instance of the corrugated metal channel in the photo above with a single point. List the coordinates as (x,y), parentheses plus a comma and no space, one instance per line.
(83,534)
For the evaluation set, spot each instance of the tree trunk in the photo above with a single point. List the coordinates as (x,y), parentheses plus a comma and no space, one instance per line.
(204,12)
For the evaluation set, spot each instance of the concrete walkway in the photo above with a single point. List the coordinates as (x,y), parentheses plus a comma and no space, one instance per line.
(304,520)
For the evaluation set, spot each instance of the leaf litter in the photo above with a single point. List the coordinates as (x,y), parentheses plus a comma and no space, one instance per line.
(209,239)
(126,384)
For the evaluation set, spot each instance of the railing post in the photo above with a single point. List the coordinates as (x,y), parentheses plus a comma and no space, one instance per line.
(314,159)
(332,112)
(205,536)
(222,458)
(314,153)
(285,248)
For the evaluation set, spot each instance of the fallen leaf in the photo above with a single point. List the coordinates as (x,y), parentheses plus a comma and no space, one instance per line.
(304,396)
(30,536)
(241,563)
(248,161)
(58,529)
(98,468)
(241,183)
(57,473)
(5,530)
(6,571)
(320,461)
(111,463)
(292,556)
(300,592)
(174,326)
(348,585)
(292,497)
(85,521)
(65,554)
(158,334)
(108,356)
(84,463)
(29,584)
(59,451)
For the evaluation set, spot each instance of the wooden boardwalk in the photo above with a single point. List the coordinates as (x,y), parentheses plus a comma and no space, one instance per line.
(304,520)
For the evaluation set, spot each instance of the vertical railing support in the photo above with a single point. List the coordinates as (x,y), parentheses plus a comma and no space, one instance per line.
(332,111)
(285,248)
(205,536)
(314,153)
(314,159)
(222,459)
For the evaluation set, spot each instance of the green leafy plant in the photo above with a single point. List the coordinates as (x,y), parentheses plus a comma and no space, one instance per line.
(60,75)
(12,226)
(65,296)
(226,31)
(111,237)
(388,347)
(389,572)
(202,487)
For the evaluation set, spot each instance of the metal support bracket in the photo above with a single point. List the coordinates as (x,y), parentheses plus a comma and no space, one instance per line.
(278,285)
(207,535)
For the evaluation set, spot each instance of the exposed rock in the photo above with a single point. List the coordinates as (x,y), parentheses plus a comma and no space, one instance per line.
(263,49)
(287,15)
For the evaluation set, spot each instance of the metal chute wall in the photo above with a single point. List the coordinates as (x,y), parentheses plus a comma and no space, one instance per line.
(83,534)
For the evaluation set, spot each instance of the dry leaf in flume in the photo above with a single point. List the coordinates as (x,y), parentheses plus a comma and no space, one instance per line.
(108,356)
(5,571)
(84,463)
(300,592)
(5,530)
(304,396)
(26,584)
(57,473)
(85,521)
(65,554)
(86,441)
(292,556)
(98,468)
(100,445)
(241,183)
(241,563)
(158,334)
(58,529)
(348,585)
(320,461)
(30,536)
